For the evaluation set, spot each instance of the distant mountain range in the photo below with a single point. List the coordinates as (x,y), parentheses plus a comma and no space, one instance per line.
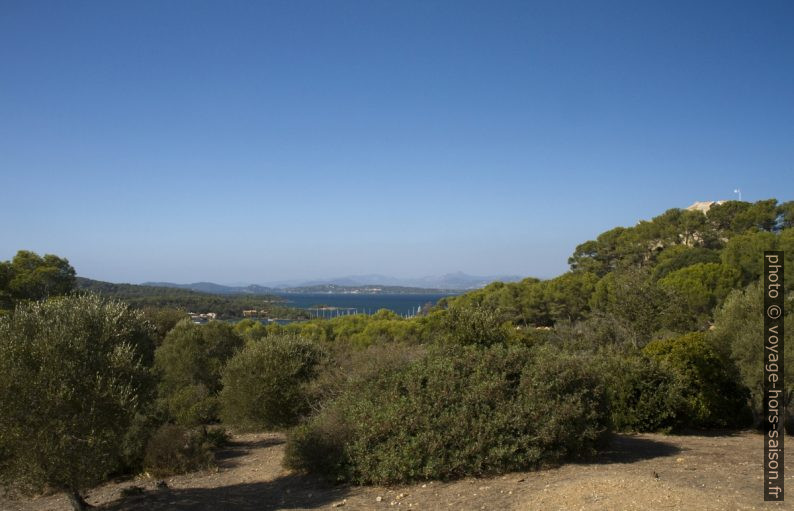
(216,289)
(353,284)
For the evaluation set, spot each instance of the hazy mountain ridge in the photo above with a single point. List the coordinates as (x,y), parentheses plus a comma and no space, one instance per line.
(458,281)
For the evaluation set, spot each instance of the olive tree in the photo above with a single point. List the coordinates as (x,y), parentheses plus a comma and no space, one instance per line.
(71,380)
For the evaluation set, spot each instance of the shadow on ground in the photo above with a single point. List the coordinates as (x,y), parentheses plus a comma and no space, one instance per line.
(226,456)
(631,449)
(288,492)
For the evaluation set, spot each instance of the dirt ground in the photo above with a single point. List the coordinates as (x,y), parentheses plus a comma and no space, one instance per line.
(692,472)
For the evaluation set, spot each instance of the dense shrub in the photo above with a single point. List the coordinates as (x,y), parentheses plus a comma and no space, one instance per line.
(642,395)
(189,363)
(739,324)
(460,410)
(264,384)
(191,405)
(598,331)
(709,381)
(143,426)
(251,329)
(348,366)
(474,324)
(163,319)
(175,449)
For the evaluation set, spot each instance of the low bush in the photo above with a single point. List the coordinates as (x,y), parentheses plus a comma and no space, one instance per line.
(264,385)
(713,394)
(460,410)
(174,449)
(738,324)
(642,395)
(191,405)
(347,366)
(190,362)
(474,324)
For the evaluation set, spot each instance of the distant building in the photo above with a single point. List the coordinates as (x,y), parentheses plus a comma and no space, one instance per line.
(202,318)
(704,206)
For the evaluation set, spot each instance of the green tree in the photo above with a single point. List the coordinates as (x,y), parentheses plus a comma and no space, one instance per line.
(721,216)
(569,294)
(533,307)
(676,257)
(29,276)
(744,253)
(189,362)
(163,319)
(475,325)
(264,384)
(71,381)
(251,329)
(738,327)
(760,215)
(633,297)
(698,287)
(600,256)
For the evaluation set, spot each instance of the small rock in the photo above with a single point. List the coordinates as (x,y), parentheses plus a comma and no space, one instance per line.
(161,485)
(340,504)
(679,460)
(378,499)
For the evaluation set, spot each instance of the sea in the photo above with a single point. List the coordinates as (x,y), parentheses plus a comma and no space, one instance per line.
(331,305)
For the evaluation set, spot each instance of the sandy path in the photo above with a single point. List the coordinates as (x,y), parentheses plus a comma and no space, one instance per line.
(639,472)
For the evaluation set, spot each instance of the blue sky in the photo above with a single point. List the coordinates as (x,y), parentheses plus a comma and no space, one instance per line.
(261,141)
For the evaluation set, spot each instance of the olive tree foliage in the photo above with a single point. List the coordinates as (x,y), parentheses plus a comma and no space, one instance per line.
(71,381)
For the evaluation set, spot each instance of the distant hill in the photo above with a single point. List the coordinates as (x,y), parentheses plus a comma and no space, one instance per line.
(458,281)
(226,305)
(450,281)
(367,290)
(216,289)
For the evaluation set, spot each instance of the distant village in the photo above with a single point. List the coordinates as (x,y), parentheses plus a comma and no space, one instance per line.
(202,318)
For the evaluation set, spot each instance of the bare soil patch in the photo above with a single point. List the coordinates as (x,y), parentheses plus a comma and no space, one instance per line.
(638,472)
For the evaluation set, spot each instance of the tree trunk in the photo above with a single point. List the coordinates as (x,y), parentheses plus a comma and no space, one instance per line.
(77,501)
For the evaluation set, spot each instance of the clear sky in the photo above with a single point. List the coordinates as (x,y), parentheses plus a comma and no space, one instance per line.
(260,141)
